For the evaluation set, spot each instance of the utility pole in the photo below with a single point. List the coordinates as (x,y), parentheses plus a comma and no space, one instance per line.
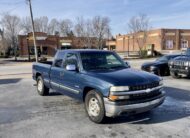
(33,30)
(108,39)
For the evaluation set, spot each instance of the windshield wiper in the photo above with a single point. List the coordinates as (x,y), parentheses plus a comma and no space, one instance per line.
(99,68)
(116,67)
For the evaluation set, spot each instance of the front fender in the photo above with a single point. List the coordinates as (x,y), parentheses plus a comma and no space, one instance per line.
(98,84)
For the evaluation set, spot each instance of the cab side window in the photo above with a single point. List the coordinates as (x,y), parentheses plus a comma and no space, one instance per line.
(59,59)
(71,59)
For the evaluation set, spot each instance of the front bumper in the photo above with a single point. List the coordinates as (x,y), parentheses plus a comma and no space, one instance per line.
(113,110)
(181,71)
(153,71)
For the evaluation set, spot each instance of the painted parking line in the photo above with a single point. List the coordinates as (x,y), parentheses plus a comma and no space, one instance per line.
(16,77)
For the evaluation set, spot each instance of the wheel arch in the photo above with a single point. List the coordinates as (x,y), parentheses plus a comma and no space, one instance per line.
(38,74)
(88,89)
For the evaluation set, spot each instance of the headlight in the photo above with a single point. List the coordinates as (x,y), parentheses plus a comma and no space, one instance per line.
(119,88)
(171,62)
(161,82)
(186,63)
(153,68)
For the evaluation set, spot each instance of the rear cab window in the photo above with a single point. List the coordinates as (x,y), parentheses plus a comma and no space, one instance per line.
(58,60)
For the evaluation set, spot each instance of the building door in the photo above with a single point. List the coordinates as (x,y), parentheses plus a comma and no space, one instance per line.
(184,44)
(44,50)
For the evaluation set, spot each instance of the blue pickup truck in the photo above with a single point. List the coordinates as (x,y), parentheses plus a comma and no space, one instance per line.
(102,80)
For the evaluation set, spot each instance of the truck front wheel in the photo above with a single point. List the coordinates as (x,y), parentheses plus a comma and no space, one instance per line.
(94,106)
(41,88)
(175,75)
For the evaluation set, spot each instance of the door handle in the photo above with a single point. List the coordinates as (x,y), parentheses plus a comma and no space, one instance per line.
(61,73)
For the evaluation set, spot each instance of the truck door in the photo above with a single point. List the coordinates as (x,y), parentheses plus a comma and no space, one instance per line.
(57,71)
(70,81)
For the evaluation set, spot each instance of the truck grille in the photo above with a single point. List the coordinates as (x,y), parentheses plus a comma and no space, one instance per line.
(141,98)
(178,63)
(145,95)
(144,87)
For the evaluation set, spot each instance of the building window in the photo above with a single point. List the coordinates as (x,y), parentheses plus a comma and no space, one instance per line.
(184,43)
(169,44)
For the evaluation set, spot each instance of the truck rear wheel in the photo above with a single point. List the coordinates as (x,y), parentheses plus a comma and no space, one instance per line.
(94,106)
(41,88)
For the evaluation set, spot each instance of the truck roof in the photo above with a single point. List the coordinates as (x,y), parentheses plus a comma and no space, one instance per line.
(83,50)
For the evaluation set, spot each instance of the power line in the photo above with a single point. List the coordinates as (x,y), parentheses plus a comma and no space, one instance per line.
(17,5)
(12,3)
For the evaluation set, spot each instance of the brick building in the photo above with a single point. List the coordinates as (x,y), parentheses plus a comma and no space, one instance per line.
(48,44)
(111,44)
(161,40)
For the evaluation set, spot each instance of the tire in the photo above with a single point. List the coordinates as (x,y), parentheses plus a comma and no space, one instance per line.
(159,72)
(41,88)
(167,72)
(94,106)
(175,75)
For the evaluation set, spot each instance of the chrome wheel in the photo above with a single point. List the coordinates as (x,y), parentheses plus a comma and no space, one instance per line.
(93,107)
(40,86)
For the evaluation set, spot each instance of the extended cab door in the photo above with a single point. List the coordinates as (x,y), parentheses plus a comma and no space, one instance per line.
(56,71)
(70,81)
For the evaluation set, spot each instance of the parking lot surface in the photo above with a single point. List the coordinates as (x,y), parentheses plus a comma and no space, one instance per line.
(23,113)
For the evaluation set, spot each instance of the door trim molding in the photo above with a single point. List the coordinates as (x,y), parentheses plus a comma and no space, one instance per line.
(65,87)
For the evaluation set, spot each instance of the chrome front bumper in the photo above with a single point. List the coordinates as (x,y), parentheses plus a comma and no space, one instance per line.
(113,110)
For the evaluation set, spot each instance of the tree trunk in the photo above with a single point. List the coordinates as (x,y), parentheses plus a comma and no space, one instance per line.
(15,49)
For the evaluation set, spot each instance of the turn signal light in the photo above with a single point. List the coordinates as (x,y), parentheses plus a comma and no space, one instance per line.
(113,97)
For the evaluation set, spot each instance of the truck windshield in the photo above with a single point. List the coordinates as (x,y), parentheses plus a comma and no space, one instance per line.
(101,61)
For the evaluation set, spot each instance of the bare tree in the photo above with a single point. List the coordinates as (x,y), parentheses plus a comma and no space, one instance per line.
(138,26)
(53,26)
(41,24)
(84,29)
(26,25)
(3,46)
(101,28)
(65,27)
(11,24)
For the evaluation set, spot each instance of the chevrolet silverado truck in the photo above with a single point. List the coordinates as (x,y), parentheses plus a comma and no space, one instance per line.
(180,66)
(102,80)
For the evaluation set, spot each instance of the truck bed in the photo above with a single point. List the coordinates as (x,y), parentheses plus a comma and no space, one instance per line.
(42,68)
(46,62)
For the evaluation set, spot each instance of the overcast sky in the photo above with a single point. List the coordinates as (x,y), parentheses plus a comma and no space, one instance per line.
(162,13)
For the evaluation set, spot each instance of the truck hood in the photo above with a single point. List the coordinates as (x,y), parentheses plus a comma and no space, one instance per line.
(182,58)
(125,77)
(155,63)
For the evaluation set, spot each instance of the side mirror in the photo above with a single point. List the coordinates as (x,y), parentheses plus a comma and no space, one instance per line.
(71,67)
(127,63)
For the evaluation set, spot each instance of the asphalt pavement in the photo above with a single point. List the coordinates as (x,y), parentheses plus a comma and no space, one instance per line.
(23,113)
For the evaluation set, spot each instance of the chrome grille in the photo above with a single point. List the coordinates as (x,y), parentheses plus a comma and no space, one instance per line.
(145,95)
(144,87)
(179,65)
